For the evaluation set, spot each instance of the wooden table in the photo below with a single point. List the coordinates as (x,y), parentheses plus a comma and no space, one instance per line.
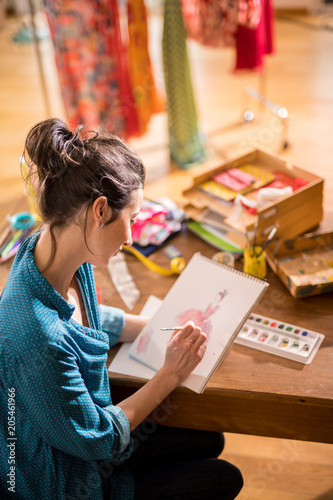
(252,392)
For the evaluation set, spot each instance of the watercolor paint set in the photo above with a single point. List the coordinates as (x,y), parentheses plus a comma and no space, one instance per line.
(280,338)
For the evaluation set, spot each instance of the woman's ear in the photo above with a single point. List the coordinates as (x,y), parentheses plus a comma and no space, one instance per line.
(101,211)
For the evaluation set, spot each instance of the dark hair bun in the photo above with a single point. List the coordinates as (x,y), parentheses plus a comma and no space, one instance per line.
(53,148)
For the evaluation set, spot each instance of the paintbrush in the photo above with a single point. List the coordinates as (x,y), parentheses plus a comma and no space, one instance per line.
(255,230)
(269,238)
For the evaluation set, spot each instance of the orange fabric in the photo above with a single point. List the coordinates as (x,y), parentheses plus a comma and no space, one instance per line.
(147,101)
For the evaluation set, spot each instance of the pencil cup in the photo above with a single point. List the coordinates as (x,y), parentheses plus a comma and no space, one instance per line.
(255,262)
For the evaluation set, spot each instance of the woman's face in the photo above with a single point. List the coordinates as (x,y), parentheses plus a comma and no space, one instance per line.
(112,237)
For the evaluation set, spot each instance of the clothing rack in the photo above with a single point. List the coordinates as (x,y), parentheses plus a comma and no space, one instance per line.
(279,111)
(32,13)
(248,115)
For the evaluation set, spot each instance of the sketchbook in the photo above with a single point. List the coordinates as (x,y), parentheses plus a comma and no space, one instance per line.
(125,365)
(215,297)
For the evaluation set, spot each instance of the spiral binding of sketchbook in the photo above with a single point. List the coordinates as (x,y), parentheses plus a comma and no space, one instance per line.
(215,297)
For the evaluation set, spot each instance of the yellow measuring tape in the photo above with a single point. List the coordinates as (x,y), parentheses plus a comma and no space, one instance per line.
(177,264)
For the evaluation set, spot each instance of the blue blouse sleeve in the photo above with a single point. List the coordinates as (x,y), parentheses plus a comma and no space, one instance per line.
(54,396)
(112,322)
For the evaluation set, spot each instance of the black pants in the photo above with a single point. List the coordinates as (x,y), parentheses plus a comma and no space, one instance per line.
(181,464)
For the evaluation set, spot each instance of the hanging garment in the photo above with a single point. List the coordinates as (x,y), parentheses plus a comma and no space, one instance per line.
(92,65)
(186,144)
(249,12)
(253,44)
(211,22)
(147,101)
(215,22)
(243,24)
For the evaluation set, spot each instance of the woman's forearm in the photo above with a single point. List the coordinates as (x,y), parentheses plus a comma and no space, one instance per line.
(132,327)
(138,406)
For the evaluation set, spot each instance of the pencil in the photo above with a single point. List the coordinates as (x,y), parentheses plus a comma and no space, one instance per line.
(170,328)
(11,243)
(246,236)
(5,243)
(5,235)
(10,254)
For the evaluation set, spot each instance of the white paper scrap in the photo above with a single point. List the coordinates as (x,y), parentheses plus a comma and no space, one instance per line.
(123,280)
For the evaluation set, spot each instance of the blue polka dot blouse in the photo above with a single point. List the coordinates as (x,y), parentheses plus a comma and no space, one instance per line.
(61,432)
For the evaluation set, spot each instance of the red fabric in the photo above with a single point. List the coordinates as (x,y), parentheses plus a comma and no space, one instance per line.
(282,180)
(253,44)
(211,22)
(234,179)
(246,25)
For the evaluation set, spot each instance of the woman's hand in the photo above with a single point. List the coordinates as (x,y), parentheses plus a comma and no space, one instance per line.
(185,349)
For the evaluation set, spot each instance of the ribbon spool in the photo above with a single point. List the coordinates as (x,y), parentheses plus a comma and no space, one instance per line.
(177,264)
(22,220)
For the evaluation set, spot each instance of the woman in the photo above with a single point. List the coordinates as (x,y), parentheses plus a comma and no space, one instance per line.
(72,442)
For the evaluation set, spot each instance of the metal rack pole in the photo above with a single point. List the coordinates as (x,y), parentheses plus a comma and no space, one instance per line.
(32,12)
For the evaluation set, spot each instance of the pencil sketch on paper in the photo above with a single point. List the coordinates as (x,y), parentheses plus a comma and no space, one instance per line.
(202,318)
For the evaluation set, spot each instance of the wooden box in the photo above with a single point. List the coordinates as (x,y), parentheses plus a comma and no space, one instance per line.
(304,264)
(295,213)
